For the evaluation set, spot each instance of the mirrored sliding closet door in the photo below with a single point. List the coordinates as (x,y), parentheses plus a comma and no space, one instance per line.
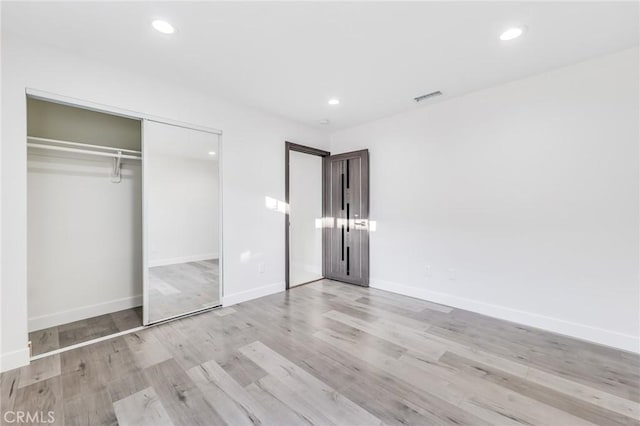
(182,220)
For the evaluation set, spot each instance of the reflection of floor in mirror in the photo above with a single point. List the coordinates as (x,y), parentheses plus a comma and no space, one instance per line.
(183,287)
(300,275)
(61,336)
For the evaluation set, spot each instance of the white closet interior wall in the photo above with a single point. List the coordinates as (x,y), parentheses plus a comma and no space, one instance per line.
(84,231)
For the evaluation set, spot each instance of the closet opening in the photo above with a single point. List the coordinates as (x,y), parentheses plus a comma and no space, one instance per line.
(84,219)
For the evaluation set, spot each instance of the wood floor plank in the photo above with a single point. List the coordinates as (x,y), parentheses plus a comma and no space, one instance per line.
(605,377)
(591,395)
(178,344)
(401,303)
(39,370)
(555,354)
(224,311)
(142,409)
(365,339)
(417,305)
(47,396)
(8,389)
(454,389)
(330,288)
(43,341)
(334,405)
(379,313)
(493,398)
(127,385)
(506,364)
(399,370)
(91,408)
(402,336)
(585,393)
(127,318)
(231,400)
(280,413)
(79,371)
(243,370)
(404,309)
(113,360)
(83,330)
(181,398)
(146,349)
(305,411)
(564,401)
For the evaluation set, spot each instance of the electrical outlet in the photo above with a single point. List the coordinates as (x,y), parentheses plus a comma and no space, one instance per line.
(427,271)
(261,268)
(452,274)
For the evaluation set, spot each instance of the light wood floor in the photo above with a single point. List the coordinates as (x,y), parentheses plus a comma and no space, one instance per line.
(330,353)
(61,336)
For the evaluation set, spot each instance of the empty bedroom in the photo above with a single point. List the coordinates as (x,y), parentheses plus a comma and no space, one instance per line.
(320,212)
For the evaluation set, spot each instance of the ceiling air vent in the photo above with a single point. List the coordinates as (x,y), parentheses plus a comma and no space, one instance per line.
(427,96)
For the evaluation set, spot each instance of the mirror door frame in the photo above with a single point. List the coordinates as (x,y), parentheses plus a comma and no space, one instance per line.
(290,146)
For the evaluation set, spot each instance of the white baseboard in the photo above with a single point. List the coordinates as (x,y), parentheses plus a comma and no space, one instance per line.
(76,314)
(182,259)
(581,331)
(254,293)
(14,359)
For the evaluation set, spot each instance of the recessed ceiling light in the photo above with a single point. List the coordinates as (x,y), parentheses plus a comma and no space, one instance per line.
(163,26)
(212,153)
(512,33)
(324,121)
(334,101)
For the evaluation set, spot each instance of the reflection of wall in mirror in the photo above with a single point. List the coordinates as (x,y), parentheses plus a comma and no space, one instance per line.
(183,208)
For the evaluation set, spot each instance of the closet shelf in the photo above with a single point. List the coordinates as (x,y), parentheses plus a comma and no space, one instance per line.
(82,148)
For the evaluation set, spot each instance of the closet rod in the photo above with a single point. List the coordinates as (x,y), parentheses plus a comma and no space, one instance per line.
(84,151)
(82,145)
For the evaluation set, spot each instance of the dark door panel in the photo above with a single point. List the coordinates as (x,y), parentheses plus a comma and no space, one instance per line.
(347,205)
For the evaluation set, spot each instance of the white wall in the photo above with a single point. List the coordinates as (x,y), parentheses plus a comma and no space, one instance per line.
(1,203)
(182,187)
(253,167)
(305,209)
(519,201)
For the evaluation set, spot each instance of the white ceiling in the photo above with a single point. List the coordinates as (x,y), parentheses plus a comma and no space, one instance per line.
(290,58)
